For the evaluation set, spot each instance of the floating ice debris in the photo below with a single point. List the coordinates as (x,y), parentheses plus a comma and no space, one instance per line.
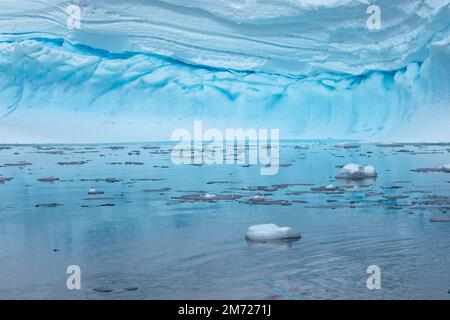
(391,187)
(263,201)
(445,168)
(157,190)
(17,164)
(48,179)
(329,188)
(357,172)
(373,194)
(271,188)
(209,196)
(94,192)
(395,197)
(270,232)
(205,197)
(103,290)
(347,145)
(390,145)
(220,182)
(48,205)
(440,219)
(4,179)
(131,163)
(55,152)
(259,198)
(71,163)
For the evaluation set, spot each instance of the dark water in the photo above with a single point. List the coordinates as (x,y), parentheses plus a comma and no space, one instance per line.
(172,249)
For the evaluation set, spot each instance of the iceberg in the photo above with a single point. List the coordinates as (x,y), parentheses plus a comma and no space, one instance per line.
(138,70)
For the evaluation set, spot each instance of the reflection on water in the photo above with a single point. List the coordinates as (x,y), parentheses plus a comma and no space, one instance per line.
(274,244)
(150,233)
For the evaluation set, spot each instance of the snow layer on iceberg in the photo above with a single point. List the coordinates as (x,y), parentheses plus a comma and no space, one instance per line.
(278,36)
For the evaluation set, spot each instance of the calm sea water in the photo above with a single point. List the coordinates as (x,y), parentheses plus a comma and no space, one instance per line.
(140,235)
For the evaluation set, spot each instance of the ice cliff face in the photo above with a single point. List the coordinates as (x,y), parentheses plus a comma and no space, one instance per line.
(138,70)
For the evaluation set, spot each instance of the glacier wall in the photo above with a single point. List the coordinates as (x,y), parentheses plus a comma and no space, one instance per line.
(138,70)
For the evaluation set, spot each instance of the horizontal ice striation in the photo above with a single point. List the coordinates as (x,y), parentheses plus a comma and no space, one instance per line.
(136,71)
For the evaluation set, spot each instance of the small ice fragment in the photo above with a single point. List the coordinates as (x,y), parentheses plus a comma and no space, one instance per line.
(103,289)
(270,232)
(354,171)
(446,168)
(259,198)
(389,144)
(48,179)
(18,164)
(330,188)
(209,196)
(130,288)
(93,192)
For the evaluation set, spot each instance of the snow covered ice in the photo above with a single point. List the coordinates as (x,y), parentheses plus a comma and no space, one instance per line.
(354,171)
(270,232)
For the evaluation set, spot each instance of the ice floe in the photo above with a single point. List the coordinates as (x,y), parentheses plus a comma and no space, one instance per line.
(270,232)
(354,171)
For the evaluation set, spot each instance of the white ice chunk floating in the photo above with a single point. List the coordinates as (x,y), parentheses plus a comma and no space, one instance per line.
(209,196)
(93,192)
(446,168)
(354,171)
(270,232)
(259,198)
